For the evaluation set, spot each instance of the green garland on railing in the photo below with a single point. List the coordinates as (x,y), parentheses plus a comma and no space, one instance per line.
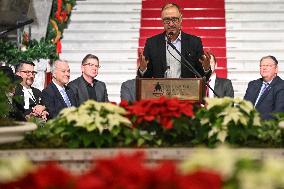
(35,50)
(60,15)
(46,48)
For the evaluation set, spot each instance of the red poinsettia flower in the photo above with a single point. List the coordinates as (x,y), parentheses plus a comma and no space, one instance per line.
(162,110)
(48,176)
(166,176)
(123,171)
(202,179)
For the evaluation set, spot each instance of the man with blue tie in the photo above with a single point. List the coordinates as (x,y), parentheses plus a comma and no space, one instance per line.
(57,95)
(267,93)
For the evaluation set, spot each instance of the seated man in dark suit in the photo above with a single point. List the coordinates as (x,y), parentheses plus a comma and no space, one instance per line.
(128,90)
(267,92)
(56,95)
(223,87)
(87,87)
(30,97)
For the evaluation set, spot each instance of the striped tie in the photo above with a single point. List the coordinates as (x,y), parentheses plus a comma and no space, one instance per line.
(263,89)
(65,97)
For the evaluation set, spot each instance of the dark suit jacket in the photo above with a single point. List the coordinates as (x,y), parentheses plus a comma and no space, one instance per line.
(53,100)
(19,99)
(223,87)
(271,101)
(128,90)
(155,52)
(80,91)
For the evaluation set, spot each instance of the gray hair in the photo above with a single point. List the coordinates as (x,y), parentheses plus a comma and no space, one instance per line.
(55,64)
(271,57)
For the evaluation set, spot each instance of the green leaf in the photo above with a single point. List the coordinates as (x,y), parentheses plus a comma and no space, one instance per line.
(140,141)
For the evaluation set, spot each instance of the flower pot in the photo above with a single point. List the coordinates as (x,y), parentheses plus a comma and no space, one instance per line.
(15,133)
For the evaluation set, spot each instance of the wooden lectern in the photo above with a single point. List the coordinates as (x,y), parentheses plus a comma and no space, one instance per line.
(191,89)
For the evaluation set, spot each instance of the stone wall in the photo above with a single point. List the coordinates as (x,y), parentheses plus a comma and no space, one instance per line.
(79,160)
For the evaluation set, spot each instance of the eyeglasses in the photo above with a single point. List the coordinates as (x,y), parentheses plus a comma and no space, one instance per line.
(91,65)
(267,66)
(168,20)
(29,72)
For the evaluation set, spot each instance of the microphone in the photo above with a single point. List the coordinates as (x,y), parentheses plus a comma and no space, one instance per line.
(187,64)
(18,25)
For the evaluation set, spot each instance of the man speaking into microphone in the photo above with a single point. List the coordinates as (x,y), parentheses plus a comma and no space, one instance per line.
(161,60)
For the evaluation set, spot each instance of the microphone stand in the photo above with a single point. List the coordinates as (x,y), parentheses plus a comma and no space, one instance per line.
(191,68)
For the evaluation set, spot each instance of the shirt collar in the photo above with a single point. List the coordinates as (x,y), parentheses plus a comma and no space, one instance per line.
(87,83)
(269,82)
(58,86)
(26,89)
(177,39)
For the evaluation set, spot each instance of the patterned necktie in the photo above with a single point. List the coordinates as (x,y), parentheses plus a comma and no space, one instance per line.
(263,89)
(65,97)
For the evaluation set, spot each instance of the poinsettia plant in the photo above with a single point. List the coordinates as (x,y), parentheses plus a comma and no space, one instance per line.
(159,122)
(238,170)
(122,171)
(235,121)
(204,169)
(93,124)
(162,121)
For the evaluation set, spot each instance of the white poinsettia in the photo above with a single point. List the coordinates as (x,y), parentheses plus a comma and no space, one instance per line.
(281,124)
(234,109)
(268,176)
(244,105)
(231,114)
(96,115)
(13,168)
(212,102)
(221,160)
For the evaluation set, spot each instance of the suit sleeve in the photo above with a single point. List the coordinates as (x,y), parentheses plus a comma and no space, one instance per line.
(147,54)
(124,92)
(279,100)
(75,93)
(200,52)
(248,95)
(49,103)
(229,91)
(105,93)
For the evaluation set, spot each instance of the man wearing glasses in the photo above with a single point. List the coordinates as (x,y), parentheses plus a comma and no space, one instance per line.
(267,92)
(160,58)
(29,101)
(86,86)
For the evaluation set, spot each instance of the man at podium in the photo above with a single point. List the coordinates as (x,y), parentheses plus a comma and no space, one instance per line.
(161,60)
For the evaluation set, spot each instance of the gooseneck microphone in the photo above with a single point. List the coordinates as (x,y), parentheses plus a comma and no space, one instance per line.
(187,64)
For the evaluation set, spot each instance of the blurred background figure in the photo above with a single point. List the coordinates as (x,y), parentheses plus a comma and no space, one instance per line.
(128,90)
(223,87)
